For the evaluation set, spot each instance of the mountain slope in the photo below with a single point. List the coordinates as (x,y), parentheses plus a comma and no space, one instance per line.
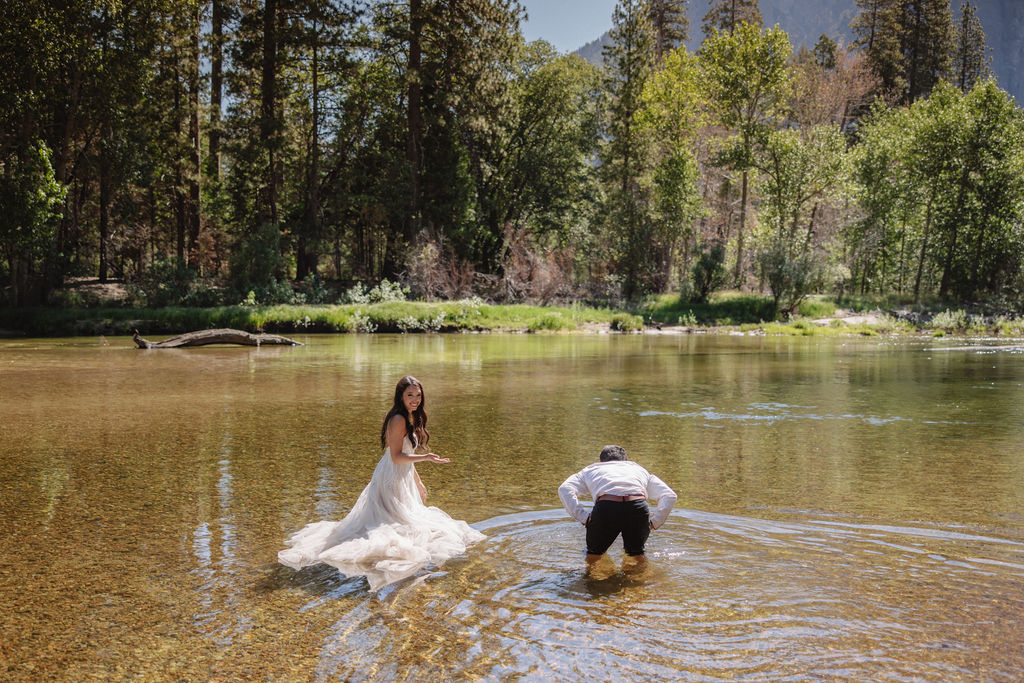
(806,20)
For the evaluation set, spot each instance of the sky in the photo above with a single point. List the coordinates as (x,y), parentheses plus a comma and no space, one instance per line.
(567,24)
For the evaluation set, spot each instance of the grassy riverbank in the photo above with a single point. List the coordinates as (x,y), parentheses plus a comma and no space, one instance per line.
(392,316)
(726,312)
(824,316)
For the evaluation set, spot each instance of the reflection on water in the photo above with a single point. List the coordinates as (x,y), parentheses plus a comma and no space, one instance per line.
(848,509)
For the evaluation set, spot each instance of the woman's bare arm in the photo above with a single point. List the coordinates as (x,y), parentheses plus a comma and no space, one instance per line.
(420,485)
(396,433)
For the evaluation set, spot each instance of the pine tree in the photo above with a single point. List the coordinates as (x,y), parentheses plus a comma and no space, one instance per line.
(630,60)
(319,38)
(927,44)
(825,52)
(671,25)
(466,99)
(727,15)
(971,61)
(220,11)
(878,30)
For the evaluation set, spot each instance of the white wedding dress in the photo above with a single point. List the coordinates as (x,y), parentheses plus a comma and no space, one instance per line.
(388,535)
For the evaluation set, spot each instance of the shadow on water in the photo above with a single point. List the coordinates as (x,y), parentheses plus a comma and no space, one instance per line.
(319,581)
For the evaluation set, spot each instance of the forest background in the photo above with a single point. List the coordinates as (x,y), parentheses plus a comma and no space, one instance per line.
(224,152)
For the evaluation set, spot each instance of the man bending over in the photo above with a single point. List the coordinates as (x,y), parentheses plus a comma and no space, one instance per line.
(620,490)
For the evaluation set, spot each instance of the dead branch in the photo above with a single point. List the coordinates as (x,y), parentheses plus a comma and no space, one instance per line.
(221,336)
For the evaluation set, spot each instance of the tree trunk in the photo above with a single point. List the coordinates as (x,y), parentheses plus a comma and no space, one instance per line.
(978,248)
(903,255)
(414,114)
(924,247)
(659,30)
(216,87)
(913,58)
(104,198)
(306,261)
(810,229)
(67,125)
(180,209)
(739,234)
(180,205)
(268,126)
(196,168)
(947,267)
(220,336)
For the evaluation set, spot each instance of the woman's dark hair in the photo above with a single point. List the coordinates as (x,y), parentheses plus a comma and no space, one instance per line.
(415,424)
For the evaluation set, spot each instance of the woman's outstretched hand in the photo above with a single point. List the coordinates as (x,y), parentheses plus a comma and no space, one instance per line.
(434,457)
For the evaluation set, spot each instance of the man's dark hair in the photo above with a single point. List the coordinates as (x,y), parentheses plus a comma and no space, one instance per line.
(613,453)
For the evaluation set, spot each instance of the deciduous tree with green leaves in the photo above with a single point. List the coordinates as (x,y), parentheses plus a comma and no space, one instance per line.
(673,113)
(30,201)
(801,171)
(746,75)
(879,244)
(985,199)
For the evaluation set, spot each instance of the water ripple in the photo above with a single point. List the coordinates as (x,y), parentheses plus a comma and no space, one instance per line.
(720,596)
(769,413)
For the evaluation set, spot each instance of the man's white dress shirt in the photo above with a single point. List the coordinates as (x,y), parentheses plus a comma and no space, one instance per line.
(618,478)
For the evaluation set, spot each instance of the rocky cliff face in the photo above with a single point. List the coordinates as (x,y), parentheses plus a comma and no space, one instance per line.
(1003,21)
(806,20)
(803,20)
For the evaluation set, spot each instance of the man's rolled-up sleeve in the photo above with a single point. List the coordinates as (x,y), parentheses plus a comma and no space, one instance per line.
(569,493)
(666,497)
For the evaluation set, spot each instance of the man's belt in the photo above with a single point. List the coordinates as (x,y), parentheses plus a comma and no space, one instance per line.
(621,499)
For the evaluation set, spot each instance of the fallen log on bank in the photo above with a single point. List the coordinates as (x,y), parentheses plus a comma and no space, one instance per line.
(221,336)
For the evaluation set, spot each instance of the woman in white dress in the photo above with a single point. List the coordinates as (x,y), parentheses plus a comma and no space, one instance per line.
(390,533)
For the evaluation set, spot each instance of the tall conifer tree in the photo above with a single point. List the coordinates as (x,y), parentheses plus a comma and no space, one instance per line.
(971,61)
(927,44)
(630,60)
(878,30)
(671,25)
(727,15)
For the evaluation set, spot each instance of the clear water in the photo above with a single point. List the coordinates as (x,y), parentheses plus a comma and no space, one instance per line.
(848,509)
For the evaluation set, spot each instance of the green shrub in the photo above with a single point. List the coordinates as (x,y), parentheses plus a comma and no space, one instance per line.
(949,320)
(69,298)
(549,322)
(708,272)
(722,308)
(1006,325)
(383,292)
(790,277)
(313,290)
(277,292)
(688,319)
(626,322)
(816,307)
(168,282)
(408,322)
(360,322)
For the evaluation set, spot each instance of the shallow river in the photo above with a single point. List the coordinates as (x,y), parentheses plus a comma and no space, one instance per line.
(848,509)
